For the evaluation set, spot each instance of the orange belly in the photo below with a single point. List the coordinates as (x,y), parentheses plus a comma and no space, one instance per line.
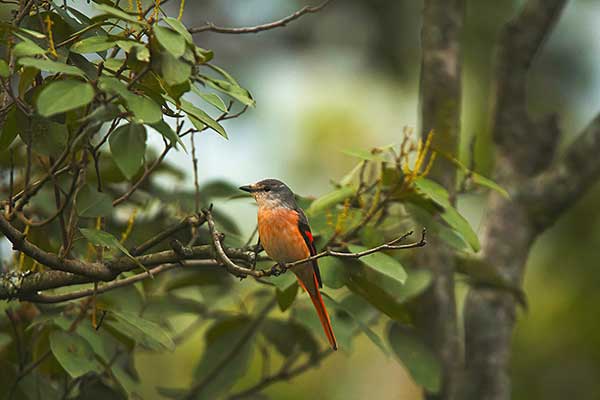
(280,236)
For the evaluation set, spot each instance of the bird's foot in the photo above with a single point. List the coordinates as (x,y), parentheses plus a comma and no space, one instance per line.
(278,269)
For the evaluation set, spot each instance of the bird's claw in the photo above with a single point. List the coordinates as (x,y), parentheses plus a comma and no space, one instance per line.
(277,270)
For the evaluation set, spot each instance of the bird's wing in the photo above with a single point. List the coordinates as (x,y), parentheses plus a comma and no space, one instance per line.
(309,240)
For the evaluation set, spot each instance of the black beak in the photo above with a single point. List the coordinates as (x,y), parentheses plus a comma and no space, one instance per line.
(247,188)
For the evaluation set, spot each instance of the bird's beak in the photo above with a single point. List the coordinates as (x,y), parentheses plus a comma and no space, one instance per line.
(247,188)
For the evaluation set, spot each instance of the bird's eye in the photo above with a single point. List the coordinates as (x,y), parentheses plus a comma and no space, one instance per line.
(267,189)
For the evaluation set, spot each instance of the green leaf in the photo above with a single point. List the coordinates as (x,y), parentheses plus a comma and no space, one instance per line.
(331,199)
(9,130)
(386,294)
(362,326)
(45,136)
(4,339)
(195,112)
(104,345)
(141,51)
(375,154)
(144,109)
(434,191)
(180,28)
(101,238)
(164,129)
(333,272)
(31,32)
(382,263)
(343,325)
(420,361)
(73,353)
(284,281)
(60,96)
(233,90)
(54,67)
(27,48)
(4,71)
(91,203)
(93,44)
(287,336)
(120,14)
(450,215)
(170,40)
(128,147)
(285,298)
(211,98)
(230,341)
(173,70)
(142,331)
(488,183)
(460,224)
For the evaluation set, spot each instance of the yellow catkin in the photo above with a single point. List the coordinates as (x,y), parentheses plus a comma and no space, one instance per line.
(129,227)
(156,10)
(130,3)
(342,217)
(181,7)
(429,164)
(49,24)
(22,255)
(376,198)
(94,307)
(329,218)
(140,9)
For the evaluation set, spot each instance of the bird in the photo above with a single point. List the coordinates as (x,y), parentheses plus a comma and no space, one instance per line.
(284,234)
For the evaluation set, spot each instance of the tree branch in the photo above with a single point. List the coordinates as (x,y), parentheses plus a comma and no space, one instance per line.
(550,194)
(259,28)
(440,101)
(25,286)
(20,242)
(525,148)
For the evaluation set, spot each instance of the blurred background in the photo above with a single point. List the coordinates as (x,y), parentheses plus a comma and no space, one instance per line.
(347,78)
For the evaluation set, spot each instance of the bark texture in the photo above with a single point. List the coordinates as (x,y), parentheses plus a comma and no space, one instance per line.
(440,112)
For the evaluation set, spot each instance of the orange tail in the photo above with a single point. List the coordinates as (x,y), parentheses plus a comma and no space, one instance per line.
(317,301)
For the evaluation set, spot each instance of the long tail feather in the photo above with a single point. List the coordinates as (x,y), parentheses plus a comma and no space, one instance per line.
(317,301)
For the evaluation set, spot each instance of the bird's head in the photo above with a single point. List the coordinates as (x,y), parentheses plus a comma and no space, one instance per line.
(271,193)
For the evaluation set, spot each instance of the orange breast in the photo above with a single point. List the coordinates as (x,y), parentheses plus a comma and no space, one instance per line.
(280,236)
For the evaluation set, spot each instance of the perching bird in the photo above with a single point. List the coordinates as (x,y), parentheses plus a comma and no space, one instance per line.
(285,235)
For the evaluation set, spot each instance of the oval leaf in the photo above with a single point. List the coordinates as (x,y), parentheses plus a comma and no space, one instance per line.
(128,147)
(171,40)
(382,263)
(92,44)
(61,96)
(73,353)
(54,67)
(331,199)
(91,203)
(142,331)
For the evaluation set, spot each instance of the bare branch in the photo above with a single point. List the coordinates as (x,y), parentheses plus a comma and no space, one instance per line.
(19,242)
(551,193)
(41,298)
(259,28)
(284,374)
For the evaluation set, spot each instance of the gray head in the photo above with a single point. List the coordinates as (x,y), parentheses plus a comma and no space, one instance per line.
(271,193)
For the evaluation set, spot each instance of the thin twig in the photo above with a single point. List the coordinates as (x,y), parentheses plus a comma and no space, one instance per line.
(259,28)
(284,374)
(143,178)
